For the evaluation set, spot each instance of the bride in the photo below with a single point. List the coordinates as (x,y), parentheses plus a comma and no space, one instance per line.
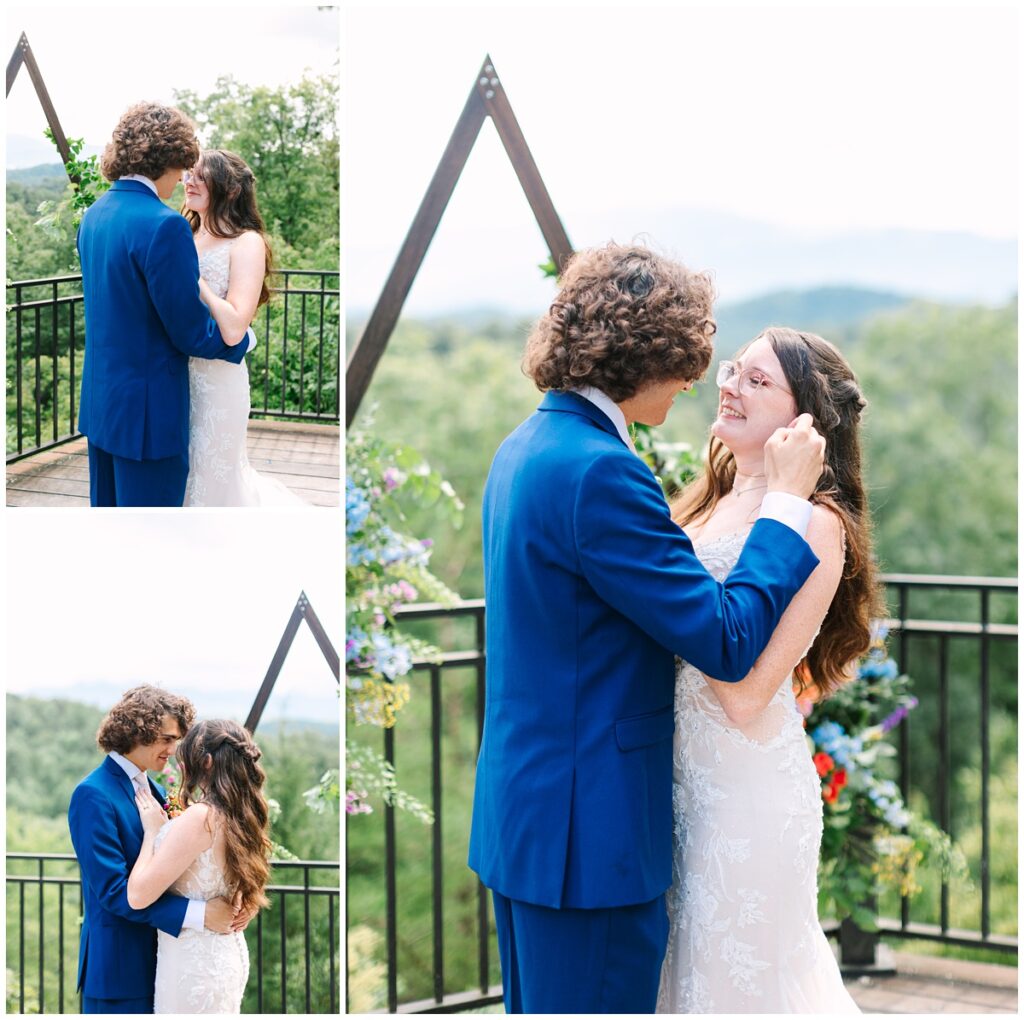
(218,846)
(744,934)
(234,263)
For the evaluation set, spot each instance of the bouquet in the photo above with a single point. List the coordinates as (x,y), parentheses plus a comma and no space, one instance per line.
(871,840)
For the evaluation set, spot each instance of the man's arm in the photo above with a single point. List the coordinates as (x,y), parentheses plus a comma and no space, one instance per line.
(639,561)
(104,867)
(172,278)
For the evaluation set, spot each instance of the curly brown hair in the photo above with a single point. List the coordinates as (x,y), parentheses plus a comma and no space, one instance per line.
(150,139)
(624,317)
(825,387)
(137,718)
(219,764)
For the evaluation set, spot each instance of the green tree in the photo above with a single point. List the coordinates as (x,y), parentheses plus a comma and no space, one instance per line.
(287,136)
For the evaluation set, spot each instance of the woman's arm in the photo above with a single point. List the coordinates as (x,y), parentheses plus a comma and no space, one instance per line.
(235,311)
(745,700)
(154,871)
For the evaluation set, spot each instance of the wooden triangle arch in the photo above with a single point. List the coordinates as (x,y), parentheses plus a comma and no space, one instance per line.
(23,55)
(486,99)
(302,611)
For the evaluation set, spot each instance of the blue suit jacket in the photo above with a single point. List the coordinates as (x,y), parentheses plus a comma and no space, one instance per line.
(591,589)
(143,320)
(117,954)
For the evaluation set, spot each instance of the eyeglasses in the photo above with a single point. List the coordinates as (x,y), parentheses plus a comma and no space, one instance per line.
(188,176)
(748,380)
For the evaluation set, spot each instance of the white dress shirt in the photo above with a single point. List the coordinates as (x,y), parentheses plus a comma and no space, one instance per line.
(195,912)
(784,507)
(152,187)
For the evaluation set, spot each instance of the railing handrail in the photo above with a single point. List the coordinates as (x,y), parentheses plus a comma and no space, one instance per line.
(43,280)
(29,855)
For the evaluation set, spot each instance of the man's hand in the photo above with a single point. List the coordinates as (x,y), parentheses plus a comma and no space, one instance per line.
(242,917)
(220,915)
(793,458)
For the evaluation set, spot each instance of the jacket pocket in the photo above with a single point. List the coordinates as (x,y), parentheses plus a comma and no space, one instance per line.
(644,730)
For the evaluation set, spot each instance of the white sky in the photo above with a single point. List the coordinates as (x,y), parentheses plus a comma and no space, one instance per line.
(96,61)
(814,118)
(808,116)
(192,601)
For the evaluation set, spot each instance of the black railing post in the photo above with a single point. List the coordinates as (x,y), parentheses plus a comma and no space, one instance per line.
(437,846)
(985,764)
(390,862)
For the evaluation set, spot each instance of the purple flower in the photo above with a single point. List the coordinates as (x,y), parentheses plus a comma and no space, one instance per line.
(893,720)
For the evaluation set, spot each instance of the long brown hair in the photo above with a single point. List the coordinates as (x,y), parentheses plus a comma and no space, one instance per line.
(823,385)
(220,762)
(231,186)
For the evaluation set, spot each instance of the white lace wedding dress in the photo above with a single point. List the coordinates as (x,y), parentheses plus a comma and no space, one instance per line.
(219,470)
(744,935)
(200,971)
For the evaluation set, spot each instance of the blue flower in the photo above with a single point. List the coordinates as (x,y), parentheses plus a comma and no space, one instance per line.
(392,660)
(357,507)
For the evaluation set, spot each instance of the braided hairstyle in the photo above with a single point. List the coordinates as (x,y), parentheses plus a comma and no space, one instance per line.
(825,387)
(220,765)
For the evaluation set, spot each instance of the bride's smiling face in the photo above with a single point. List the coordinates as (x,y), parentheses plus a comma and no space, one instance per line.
(197,192)
(754,402)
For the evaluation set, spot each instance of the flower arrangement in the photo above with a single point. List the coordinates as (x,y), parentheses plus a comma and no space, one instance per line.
(871,841)
(384,570)
(171,782)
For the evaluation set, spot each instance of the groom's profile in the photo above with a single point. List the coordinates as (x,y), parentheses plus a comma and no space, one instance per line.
(143,315)
(590,589)
(117,955)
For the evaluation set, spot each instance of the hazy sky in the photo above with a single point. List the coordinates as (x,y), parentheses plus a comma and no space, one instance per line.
(816,118)
(195,602)
(96,61)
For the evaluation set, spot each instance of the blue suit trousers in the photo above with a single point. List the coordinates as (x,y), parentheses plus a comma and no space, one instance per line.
(121,481)
(571,960)
(91,1005)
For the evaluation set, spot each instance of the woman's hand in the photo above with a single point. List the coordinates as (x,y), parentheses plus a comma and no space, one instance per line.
(151,812)
(205,293)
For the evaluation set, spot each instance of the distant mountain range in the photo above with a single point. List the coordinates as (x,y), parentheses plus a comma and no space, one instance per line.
(475,265)
(31,151)
(825,310)
(285,708)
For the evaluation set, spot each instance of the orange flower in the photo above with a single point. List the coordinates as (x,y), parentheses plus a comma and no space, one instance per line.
(830,793)
(823,763)
(839,779)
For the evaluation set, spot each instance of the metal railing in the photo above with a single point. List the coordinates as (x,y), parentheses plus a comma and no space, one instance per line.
(294,371)
(974,633)
(294,966)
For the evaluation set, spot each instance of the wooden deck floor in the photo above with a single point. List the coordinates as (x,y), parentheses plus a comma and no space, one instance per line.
(304,457)
(930,984)
(922,984)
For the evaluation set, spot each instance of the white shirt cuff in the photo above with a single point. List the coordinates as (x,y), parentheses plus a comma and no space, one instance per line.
(195,915)
(252,340)
(787,509)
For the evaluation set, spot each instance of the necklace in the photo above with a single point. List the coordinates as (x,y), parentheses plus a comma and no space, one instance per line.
(749,488)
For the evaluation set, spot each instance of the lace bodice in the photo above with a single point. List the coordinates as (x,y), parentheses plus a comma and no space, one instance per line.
(204,879)
(744,935)
(215,267)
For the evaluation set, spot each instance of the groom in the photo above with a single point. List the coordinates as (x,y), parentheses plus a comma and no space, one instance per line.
(143,315)
(591,589)
(117,955)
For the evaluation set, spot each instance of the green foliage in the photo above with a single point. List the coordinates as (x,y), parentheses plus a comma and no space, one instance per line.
(287,136)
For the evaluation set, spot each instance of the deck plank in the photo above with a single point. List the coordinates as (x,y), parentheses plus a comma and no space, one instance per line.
(304,457)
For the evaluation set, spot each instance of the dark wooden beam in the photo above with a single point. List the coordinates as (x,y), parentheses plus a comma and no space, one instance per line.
(368,350)
(524,164)
(23,55)
(486,99)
